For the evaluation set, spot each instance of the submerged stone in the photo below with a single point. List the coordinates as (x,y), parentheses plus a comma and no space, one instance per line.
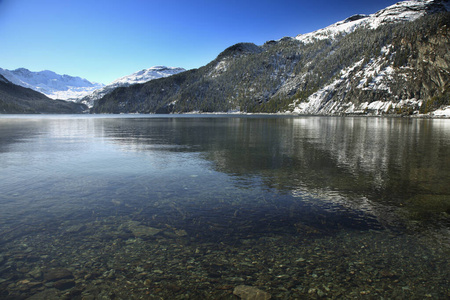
(181,232)
(76,228)
(64,284)
(145,231)
(246,292)
(141,231)
(35,273)
(57,274)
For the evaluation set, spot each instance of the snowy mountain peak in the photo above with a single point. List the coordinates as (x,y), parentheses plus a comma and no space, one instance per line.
(399,12)
(406,11)
(135,78)
(53,85)
(146,75)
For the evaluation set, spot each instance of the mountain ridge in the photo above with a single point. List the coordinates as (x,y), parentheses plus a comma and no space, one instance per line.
(345,73)
(51,84)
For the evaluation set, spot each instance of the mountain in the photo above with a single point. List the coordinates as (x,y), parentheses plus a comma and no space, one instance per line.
(135,78)
(17,99)
(400,12)
(52,85)
(394,61)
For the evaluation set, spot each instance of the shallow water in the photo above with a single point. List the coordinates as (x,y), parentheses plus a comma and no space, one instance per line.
(192,206)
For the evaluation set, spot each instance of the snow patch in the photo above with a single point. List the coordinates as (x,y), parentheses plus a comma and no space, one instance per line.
(319,102)
(331,31)
(442,112)
(220,68)
(400,12)
(377,74)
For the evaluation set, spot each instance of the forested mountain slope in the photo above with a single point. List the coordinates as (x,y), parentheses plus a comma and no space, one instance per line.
(400,66)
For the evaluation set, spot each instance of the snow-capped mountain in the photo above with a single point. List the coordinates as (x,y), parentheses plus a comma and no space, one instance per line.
(65,87)
(135,78)
(400,12)
(394,61)
(52,85)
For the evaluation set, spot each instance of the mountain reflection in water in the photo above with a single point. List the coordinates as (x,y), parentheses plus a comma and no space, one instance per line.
(293,205)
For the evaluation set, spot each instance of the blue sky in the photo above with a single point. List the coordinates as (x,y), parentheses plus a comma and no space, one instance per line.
(103,40)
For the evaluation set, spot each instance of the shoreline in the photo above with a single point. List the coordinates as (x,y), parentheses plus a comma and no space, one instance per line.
(431,115)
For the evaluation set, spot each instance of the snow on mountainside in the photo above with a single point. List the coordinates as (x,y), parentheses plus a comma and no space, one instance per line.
(135,78)
(399,12)
(379,74)
(52,85)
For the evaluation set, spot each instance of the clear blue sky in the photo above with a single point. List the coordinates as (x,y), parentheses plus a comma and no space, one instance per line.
(102,40)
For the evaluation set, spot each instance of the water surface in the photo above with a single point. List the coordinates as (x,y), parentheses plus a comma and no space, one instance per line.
(189,207)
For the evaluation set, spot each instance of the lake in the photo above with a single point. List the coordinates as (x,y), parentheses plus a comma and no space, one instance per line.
(194,206)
